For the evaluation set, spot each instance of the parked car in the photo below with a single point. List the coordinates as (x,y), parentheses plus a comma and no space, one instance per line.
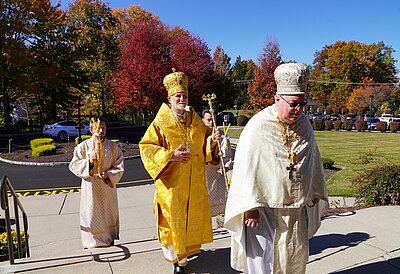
(318,116)
(335,117)
(226,117)
(64,129)
(366,117)
(371,122)
(351,117)
(386,118)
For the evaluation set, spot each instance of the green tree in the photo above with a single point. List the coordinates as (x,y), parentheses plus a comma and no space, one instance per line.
(243,74)
(224,83)
(95,29)
(15,17)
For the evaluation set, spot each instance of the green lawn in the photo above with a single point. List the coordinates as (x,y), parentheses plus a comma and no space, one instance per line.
(353,152)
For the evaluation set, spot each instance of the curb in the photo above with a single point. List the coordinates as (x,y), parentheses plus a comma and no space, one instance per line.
(48,164)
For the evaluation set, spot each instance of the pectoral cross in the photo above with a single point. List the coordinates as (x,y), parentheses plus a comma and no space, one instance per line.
(291,168)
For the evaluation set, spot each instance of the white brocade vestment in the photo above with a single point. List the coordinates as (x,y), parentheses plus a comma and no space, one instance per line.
(99,215)
(276,166)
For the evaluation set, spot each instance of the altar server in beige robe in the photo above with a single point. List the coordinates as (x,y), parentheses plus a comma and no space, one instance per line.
(277,188)
(100,164)
(216,181)
(174,151)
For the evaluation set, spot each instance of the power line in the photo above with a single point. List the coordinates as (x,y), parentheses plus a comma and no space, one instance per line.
(397,84)
(356,84)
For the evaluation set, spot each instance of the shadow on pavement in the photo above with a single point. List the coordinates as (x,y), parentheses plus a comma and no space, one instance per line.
(388,267)
(211,261)
(322,242)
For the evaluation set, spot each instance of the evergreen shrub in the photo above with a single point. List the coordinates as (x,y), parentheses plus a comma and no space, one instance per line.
(394,127)
(83,137)
(328,124)
(381,126)
(318,124)
(40,142)
(379,186)
(242,120)
(348,125)
(337,124)
(327,163)
(361,125)
(44,150)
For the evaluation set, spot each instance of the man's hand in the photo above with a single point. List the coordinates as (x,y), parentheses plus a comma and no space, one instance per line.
(216,135)
(251,218)
(93,158)
(181,155)
(105,178)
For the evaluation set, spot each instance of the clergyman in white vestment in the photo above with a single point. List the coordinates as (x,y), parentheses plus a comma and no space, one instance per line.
(277,188)
(99,214)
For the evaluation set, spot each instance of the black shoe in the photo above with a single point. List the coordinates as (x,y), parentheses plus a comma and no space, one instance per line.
(178,269)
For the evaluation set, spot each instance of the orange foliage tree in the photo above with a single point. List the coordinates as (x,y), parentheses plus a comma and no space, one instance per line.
(262,89)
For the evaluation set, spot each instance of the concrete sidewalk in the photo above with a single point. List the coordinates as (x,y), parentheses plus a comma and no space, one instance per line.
(364,241)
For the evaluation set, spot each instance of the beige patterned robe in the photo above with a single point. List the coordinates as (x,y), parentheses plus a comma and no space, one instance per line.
(99,216)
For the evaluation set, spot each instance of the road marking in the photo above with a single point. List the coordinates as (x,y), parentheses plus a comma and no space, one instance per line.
(66,190)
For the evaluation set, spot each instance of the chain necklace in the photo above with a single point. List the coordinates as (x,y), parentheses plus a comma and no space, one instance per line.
(182,120)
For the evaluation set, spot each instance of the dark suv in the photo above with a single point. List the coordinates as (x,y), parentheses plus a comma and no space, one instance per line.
(226,117)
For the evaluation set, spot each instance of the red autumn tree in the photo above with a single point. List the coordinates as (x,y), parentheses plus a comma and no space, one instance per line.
(145,60)
(191,55)
(262,89)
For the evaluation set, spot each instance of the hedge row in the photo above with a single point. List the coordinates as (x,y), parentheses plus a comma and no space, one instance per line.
(359,125)
(44,150)
(40,142)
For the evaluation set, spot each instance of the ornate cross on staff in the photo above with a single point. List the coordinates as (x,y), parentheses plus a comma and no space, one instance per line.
(209,98)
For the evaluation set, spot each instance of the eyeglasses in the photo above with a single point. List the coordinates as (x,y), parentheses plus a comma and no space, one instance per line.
(295,103)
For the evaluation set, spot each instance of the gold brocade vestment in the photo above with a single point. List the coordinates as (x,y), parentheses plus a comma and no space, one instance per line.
(181,202)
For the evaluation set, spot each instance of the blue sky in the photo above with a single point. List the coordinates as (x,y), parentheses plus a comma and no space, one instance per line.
(300,27)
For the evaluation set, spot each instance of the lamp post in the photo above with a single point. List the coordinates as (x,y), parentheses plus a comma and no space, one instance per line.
(133,94)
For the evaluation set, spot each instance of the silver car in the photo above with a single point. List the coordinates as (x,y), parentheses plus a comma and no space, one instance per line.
(64,129)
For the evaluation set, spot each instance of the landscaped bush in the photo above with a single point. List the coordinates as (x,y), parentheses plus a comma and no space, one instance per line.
(44,150)
(328,124)
(348,125)
(337,124)
(327,163)
(380,186)
(381,126)
(394,126)
(242,120)
(4,241)
(41,142)
(83,137)
(318,124)
(361,125)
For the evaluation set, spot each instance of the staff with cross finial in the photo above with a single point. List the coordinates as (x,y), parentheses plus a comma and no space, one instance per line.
(209,98)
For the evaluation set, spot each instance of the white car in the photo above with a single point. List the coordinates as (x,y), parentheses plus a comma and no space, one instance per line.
(386,118)
(64,129)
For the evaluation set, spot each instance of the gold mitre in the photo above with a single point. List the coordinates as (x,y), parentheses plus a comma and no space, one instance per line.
(176,82)
(291,78)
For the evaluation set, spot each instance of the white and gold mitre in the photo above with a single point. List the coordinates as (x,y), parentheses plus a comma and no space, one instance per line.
(291,78)
(176,82)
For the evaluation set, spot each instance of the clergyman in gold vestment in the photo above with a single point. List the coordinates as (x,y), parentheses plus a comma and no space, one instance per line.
(174,151)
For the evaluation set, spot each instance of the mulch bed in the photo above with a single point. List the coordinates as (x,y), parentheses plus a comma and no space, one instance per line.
(64,153)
